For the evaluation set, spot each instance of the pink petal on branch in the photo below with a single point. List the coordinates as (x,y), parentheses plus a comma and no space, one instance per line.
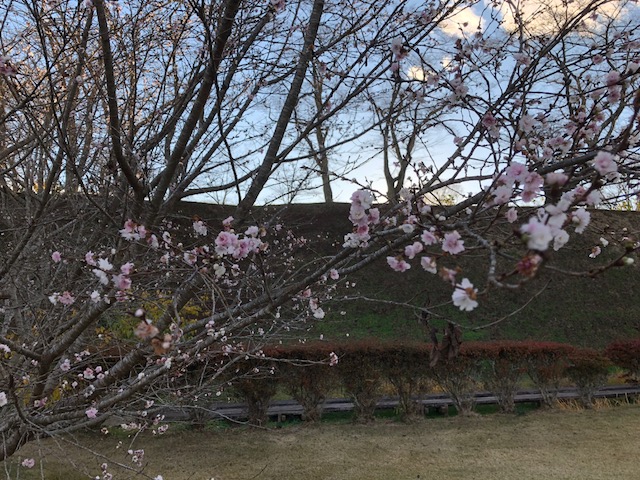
(464,296)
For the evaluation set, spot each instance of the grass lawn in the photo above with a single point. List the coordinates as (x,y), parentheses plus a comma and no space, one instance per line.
(599,444)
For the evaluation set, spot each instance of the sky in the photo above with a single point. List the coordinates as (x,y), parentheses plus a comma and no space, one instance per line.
(467,21)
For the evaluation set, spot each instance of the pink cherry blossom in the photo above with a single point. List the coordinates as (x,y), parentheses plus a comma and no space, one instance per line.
(580,218)
(104,264)
(604,163)
(537,234)
(397,48)
(226,243)
(374,216)
(153,242)
(145,330)
(333,359)
(612,78)
(448,275)
(65,366)
(28,463)
(278,5)
(121,282)
(246,246)
(199,227)
(56,257)
(489,121)
(532,183)
(428,238)
(522,59)
(190,257)
(407,227)
(66,298)
(6,68)
(127,268)
(89,259)
(356,239)
(560,239)
(527,123)
(91,412)
(429,264)
(252,231)
(358,214)
(614,93)
(399,265)
(362,198)
(516,172)
(333,274)
(502,194)
(132,231)
(102,276)
(453,243)
(593,198)
(595,251)
(411,251)
(555,222)
(528,266)
(511,215)
(556,178)
(464,296)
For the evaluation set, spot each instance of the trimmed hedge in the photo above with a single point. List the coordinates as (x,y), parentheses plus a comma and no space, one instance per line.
(588,369)
(626,355)
(360,370)
(305,373)
(406,367)
(502,365)
(546,364)
(257,383)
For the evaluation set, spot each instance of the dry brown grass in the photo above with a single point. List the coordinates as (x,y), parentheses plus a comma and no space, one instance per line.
(597,444)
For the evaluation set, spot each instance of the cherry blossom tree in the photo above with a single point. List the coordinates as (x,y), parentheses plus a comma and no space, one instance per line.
(113,113)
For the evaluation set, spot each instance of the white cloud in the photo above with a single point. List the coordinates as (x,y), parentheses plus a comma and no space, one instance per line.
(547,16)
(464,20)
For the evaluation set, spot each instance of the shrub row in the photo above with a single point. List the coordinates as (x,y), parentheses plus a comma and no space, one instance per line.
(411,369)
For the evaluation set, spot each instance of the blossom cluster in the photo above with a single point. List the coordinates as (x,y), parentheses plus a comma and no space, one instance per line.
(362,216)
(549,227)
(6,68)
(516,175)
